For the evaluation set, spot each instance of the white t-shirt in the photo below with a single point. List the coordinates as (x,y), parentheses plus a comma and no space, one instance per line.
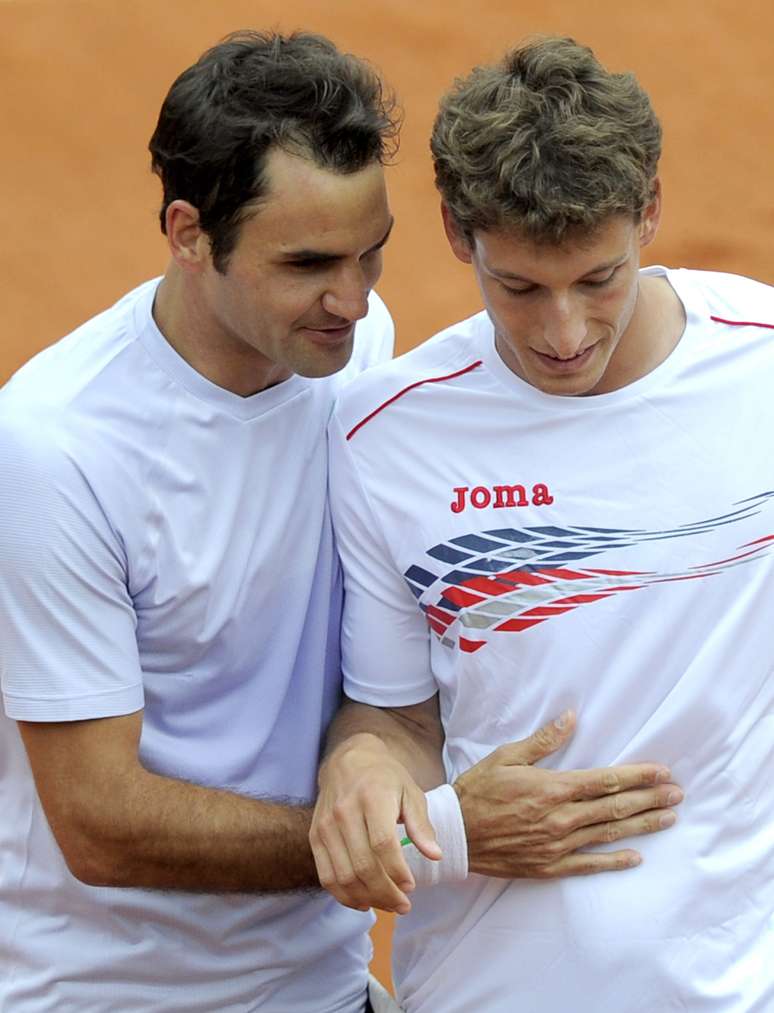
(167,544)
(521,553)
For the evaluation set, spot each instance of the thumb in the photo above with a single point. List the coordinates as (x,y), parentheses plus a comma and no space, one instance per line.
(418,826)
(542,743)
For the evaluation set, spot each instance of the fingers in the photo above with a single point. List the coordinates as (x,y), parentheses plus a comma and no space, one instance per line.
(357,852)
(383,848)
(651,822)
(542,743)
(563,857)
(418,827)
(327,876)
(615,808)
(349,867)
(352,897)
(588,784)
(587,863)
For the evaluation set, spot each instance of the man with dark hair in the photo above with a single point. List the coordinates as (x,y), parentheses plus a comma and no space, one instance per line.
(562,502)
(169,589)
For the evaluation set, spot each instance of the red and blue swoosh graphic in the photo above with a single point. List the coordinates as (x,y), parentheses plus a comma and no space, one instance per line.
(512,579)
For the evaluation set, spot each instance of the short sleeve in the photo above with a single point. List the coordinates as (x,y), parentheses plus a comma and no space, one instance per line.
(384,638)
(68,649)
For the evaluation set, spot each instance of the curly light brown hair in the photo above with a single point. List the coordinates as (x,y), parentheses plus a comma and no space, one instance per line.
(546,142)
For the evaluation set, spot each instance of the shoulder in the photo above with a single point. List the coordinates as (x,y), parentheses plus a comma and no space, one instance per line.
(56,376)
(64,412)
(442,358)
(33,453)
(52,461)
(723,298)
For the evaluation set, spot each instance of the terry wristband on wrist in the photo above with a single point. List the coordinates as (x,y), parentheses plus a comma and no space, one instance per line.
(445,815)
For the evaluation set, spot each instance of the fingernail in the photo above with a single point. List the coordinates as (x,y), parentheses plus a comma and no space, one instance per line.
(563,720)
(635,860)
(667,820)
(402,909)
(674,797)
(663,776)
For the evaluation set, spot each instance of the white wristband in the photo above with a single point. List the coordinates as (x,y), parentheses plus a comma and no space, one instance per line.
(445,815)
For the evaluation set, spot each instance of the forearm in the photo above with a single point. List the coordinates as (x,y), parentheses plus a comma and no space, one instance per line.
(379,765)
(413,736)
(170,835)
(119,824)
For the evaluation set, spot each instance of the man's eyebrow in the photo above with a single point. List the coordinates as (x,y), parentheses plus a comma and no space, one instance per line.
(510,276)
(321,257)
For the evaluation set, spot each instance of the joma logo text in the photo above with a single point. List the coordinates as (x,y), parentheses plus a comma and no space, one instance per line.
(500,496)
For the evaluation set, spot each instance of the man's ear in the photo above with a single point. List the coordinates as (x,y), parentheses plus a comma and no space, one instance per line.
(651,216)
(188,244)
(459,244)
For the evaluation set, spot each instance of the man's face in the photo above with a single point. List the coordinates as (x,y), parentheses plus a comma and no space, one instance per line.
(299,276)
(562,314)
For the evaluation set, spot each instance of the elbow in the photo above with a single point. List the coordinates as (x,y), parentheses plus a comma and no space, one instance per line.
(91,868)
(92,872)
(92,862)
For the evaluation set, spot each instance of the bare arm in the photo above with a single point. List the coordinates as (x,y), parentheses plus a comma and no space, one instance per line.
(521,821)
(377,766)
(412,735)
(118,824)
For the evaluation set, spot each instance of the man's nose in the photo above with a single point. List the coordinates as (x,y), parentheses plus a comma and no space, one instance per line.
(347,296)
(565,326)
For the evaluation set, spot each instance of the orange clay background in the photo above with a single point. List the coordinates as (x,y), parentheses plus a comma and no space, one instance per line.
(81,82)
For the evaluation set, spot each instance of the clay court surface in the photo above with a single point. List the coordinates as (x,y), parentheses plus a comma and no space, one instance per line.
(81,82)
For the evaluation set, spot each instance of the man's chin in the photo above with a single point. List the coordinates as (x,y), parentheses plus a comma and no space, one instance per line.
(568,378)
(567,385)
(325,362)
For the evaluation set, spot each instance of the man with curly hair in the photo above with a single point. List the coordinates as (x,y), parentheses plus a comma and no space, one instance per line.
(563,502)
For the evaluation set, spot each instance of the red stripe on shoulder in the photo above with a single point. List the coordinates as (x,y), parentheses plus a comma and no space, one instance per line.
(411,386)
(742,323)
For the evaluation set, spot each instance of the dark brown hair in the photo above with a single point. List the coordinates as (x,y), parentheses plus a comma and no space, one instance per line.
(255,91)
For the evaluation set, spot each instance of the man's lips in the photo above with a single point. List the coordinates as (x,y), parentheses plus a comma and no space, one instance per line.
(558,365)
(330,334)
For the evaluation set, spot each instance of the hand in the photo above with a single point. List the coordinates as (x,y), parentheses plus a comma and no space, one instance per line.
(364,793)
(525,821)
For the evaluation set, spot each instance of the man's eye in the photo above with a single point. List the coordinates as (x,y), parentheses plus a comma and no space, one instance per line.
(600,281)
(518,291)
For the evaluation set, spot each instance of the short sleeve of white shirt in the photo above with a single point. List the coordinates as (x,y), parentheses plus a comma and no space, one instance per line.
(69,649)
(70,550)
(384,639)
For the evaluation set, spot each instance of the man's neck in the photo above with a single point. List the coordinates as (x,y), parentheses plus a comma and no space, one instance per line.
(655,330)
(186,323)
